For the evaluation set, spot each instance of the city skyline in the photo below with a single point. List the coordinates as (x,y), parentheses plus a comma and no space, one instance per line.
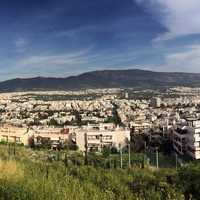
(59,39)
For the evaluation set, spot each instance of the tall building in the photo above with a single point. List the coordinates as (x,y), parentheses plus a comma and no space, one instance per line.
(155,102)
(186,138)
(126,95)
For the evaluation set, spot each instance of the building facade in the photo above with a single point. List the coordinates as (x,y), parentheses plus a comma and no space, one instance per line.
(96,138)
(13,134)
(186,138)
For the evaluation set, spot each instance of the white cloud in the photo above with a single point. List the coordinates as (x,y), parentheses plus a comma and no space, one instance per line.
(52,63)
(180,17)
(184,61)
(53,60)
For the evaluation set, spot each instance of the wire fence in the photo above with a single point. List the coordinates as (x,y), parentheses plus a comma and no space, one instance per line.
(111,161)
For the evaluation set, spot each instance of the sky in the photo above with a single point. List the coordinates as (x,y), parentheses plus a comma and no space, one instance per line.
(68,37)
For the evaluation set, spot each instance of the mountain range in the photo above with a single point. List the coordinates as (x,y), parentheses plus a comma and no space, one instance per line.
(130,78)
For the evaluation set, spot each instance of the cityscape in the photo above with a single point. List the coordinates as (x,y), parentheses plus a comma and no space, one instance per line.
(100,100)
(104,118)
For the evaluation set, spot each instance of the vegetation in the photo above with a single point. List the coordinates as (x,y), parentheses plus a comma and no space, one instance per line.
(44,174)
(115,117)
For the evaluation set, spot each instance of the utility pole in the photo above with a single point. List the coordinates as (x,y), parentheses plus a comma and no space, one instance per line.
(176,156)
(9,151)
(163,131)
(150,135)
(110,157)
(86,150)
(14,150)
(157,164)
(144,156)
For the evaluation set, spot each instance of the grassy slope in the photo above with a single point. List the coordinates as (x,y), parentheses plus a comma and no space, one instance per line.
(27,175)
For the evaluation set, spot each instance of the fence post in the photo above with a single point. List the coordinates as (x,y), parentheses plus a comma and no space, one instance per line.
(157,162)
(121,158)
(176,157)
(14,150)
(129,155)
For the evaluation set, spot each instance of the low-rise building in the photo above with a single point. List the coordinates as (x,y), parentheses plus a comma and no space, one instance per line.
(14,134)
(96,138)
(54,135)
(21,135)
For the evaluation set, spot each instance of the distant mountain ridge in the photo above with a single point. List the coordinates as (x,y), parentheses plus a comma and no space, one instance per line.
(130,78)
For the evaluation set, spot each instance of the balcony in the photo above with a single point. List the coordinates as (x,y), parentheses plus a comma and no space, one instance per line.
(197,137)
(181,131)
(93,140)
(107,138)
(194,146)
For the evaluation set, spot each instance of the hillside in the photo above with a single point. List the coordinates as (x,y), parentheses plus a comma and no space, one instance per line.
(31,175)
(135,78)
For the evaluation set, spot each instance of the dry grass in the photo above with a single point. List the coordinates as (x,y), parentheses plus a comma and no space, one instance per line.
(10,170)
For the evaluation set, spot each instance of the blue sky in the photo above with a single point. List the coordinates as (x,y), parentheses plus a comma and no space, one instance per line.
(68,37)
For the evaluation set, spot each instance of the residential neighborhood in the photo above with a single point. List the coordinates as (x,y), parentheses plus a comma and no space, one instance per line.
(94,119)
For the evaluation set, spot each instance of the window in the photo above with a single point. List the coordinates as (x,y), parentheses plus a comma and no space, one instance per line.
(93,137)
(107,137)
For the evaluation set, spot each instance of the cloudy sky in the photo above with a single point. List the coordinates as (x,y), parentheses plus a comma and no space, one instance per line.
(68,37)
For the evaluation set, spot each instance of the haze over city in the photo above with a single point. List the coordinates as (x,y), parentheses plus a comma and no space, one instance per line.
(65,37)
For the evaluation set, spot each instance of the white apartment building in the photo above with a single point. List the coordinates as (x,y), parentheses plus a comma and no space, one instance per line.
(186,138)
(96,137)
(140,127)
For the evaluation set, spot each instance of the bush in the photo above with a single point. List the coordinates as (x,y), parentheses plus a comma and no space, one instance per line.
(31,176)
